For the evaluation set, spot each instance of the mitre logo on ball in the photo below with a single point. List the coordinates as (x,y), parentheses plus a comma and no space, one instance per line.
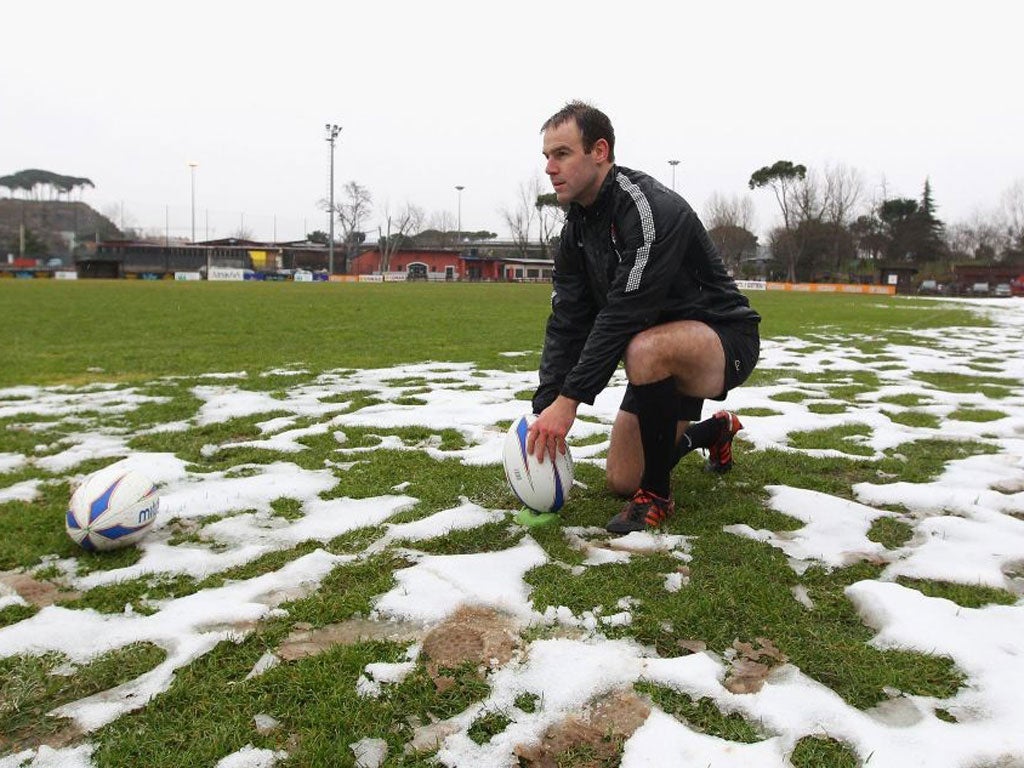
(112,508)
(543,487)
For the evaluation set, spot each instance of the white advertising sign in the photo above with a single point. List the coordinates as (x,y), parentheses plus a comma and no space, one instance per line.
(226,273)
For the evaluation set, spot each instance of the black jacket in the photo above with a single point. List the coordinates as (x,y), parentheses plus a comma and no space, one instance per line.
(637,257)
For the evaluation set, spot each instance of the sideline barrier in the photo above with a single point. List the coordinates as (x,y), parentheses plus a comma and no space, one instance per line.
(880,290)
(26,274)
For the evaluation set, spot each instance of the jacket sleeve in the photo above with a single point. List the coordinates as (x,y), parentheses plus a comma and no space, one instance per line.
(572,314)
(651,253)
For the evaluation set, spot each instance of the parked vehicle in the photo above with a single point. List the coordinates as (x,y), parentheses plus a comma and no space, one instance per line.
(979,289)
(1017,286)
(928,288)
(1003,290)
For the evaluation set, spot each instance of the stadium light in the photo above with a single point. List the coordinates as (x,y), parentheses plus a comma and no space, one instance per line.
(192,164)
(332,133)
(673,163)
(459,188)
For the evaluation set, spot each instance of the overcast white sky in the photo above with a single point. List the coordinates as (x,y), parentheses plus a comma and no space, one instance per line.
(433,95)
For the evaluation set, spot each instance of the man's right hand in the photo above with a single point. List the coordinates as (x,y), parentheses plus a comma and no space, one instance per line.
(548,431)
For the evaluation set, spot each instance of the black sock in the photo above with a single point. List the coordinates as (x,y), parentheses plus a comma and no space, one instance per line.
(656,411)
(699,435)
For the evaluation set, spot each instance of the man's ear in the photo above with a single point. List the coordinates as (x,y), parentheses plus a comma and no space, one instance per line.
(600,150)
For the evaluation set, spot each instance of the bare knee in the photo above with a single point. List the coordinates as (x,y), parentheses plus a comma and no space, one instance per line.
(687,350)
(621,480)
(642,357)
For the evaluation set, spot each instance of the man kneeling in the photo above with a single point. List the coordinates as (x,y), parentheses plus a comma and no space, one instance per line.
(636,279)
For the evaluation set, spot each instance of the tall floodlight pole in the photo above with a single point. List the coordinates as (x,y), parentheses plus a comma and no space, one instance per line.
(673,163)
(459,188)
(192,164)
(332,134)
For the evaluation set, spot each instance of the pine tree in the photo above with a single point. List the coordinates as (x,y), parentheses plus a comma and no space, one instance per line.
(931,231)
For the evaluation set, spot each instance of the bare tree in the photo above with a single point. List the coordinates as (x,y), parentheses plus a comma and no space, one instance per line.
(804,244)
(811,196)
(981,236)
(351,212)
(444,224)
(961,239)
(533,205)
(730,225)
(735,211)
(991,235)
(817,209)
(783,179)
(844,187)
(520,218)
(550,214)
(1011,206)
(396,230)
(125,222)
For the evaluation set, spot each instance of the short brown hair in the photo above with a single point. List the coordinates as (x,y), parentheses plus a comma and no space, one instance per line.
(592,122)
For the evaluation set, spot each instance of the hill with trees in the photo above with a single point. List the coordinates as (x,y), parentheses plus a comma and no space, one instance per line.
(40,219)
(50,227)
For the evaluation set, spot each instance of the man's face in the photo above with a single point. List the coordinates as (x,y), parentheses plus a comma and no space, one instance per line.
(575,175)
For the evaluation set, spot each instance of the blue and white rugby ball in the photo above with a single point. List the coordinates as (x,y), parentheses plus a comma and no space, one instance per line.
(541,487)
(112,508)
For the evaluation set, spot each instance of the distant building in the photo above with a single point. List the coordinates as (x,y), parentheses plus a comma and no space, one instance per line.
(899,276)
(148,260)
(967,275)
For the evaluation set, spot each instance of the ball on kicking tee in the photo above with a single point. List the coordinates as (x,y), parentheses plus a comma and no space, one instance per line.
(541,487)
(112,508)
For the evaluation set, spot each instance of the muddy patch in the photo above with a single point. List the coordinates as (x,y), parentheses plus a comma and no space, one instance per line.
(477,636)
(305,641)
(591,739)
(39,593)
(32,738)
(751,663)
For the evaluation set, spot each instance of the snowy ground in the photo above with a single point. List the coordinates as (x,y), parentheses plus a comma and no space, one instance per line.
(968,527)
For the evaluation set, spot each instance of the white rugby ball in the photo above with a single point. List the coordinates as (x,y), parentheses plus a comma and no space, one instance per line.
(541,487)
(112,508)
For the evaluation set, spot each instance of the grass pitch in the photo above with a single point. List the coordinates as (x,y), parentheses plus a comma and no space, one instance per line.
(109,330)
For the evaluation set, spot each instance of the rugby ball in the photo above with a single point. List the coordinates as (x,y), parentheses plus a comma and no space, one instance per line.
(112,508)
(541,487)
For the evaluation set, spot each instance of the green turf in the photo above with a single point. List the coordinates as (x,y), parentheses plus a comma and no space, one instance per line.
(89,330)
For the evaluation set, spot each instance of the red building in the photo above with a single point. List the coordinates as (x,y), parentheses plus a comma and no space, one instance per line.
(445,264)
(415,264)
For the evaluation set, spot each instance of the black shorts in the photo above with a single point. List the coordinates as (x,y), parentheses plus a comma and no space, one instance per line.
(742,345)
